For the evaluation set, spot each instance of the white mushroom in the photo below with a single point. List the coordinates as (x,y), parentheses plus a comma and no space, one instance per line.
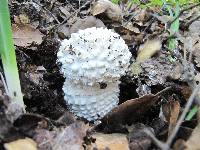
(93,60)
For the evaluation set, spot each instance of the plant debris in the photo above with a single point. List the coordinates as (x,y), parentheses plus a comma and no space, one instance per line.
(21,144)
(25,35)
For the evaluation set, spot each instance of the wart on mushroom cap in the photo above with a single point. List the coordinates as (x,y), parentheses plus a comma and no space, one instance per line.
(91,58)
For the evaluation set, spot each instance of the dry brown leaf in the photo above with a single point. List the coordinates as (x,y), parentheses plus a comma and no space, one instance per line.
(68,138)
(111,10)
(115,141)
(24,35)
(65,11)
(156,70)
(147,50)
(130,27)
(193,142)
(87,22)
(100,7)
(186,91)
(21,144)
(138,138)
(136,107)
(179,145)
(22,19)
(171,111)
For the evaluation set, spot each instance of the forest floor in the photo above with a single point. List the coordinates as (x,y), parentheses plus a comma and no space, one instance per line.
(158,106)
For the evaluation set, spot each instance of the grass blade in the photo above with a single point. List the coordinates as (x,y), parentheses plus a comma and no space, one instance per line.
(7,51)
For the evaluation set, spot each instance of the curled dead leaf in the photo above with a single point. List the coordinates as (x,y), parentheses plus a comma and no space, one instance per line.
(24,35)
(136,107)
(87,22)
(115,141)
(111,10)
(67,138)
(131,28)
(21,144)
(147,50)
(138,138)
(171,111)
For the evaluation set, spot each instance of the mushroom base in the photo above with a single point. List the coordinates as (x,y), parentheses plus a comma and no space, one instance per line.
(91,102)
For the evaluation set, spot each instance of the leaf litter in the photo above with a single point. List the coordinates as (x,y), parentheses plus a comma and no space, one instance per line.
(153,93)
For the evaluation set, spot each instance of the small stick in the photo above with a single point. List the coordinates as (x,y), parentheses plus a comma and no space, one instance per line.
(4,83)
(74,13)
(48,12)
(160,144)
(182,11)
(191,21)
(166,146)
(187,107)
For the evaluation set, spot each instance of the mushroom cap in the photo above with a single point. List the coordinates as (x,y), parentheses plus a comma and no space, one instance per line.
(94,55)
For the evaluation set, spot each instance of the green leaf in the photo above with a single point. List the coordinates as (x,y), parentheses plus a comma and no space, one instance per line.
(174,28)
(115,1)
(7,52)
(192,112)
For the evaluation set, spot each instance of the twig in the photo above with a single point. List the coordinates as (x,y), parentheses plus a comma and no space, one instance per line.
(157,142)
(4,83)
(191,21)
(187,107)
(73,14)
(48,12)
(182,11)
(166,146)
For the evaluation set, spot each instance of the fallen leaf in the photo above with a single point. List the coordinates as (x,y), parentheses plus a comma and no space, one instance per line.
(111,10)
(65,11)
(147,50)
(130,27)
(193,142)
(157,69)
(186,91)
(115,141)
(138,138)
(195,27)
(135,107)
(31,122)
(171,111)
(67,138)
(25,35)
(21,144)
(22,19)
(87,22)
(179,145)
(7,131)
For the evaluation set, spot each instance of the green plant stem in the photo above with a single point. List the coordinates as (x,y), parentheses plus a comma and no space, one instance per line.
(7,51)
